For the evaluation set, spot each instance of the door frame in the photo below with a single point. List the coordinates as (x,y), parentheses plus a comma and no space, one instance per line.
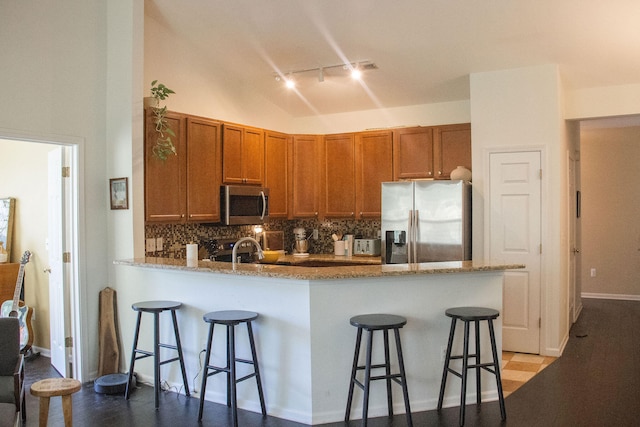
(486,189)
(574,236)
(73,236)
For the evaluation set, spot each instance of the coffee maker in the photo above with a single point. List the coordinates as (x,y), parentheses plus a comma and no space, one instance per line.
(301,242)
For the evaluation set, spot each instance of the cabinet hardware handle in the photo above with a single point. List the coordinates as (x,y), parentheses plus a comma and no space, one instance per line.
(439,172)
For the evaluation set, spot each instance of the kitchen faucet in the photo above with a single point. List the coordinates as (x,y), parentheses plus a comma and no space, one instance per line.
(235,249)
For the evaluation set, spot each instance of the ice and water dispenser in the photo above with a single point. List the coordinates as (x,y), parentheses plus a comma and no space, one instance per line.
(396,247)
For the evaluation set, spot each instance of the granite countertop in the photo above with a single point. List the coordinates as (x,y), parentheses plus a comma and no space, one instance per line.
(320,267)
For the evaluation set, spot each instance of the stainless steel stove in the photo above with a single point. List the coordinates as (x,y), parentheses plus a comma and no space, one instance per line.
(222,249)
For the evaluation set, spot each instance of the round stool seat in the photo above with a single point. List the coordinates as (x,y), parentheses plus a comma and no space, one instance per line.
(156,306)
(230,317)
(469,314)
(378,321)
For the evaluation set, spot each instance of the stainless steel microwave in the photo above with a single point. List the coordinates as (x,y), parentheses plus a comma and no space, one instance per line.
(242,204)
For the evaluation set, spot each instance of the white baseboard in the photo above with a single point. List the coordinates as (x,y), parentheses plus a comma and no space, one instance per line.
(43,351)
(610,296)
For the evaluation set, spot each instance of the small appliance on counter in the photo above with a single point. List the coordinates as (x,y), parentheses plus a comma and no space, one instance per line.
(301,243)
(273,240)
(366,247)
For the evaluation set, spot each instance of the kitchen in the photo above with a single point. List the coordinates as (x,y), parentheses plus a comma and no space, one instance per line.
(500,103)
(338,207)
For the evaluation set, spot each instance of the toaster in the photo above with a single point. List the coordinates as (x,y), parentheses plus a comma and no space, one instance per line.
(368,247)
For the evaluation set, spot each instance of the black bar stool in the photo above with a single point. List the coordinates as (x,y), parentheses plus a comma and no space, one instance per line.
(231,318)
(475,315)
(156,307)
(371,323)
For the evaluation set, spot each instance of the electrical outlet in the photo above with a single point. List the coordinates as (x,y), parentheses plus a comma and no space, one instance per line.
(151,245)
(593,272)
(315,234)
(159,243)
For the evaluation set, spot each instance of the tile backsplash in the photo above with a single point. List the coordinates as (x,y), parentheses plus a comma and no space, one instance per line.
(176,236)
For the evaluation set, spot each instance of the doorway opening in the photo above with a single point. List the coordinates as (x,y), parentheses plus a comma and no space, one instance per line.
(60,319)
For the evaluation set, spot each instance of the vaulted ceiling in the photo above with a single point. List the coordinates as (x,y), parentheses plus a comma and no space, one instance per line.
(425,50)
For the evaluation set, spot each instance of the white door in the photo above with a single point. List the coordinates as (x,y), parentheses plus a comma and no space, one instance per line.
(55,244)
(515,237)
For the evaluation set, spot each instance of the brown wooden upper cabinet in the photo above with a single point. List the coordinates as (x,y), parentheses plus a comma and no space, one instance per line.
(185,187)
(165,180)
(339,176)
(355,165)
(242,155)
(305,176)
(413,153)
(431,152)
(276,176)
(451,148)
(203,170)
(374,165)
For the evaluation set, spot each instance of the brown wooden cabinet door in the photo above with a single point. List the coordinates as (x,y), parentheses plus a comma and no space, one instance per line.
(339,176)
(203,170)
(452,148)
(242,155)
(253,156)
(276,177)
(305,184)
(413,153)
(165,180)
(232,154)
(374,165)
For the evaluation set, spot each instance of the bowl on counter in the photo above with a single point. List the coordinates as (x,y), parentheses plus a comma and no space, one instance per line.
(271,257)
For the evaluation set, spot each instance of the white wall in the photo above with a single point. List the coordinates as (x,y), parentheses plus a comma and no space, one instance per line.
(603,101)
(53,87)
(610,212)
(521,109)
(210,89)
(203,88)
(413,115)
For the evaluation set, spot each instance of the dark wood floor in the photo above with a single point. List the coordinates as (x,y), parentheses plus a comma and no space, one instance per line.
(595,383)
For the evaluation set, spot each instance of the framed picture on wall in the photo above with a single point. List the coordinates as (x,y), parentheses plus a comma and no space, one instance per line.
(7,206)
(119,190)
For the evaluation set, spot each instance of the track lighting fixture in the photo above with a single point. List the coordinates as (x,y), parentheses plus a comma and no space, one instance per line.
(354,68)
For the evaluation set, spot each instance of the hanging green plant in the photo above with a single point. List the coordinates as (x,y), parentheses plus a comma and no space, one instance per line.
(163,147)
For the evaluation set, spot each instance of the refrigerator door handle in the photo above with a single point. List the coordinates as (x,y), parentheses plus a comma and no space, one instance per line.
(410,237)
(416,234)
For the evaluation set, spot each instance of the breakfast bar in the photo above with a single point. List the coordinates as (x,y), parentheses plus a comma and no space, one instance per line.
(303,337)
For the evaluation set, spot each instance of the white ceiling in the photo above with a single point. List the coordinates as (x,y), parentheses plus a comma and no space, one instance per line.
(424,49)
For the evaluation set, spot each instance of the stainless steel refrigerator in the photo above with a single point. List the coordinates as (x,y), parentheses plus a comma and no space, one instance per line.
(426,221)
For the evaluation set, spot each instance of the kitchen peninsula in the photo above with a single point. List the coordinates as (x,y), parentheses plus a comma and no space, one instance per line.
(303,336)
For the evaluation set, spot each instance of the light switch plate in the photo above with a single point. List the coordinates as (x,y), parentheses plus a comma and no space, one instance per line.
(159,243)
